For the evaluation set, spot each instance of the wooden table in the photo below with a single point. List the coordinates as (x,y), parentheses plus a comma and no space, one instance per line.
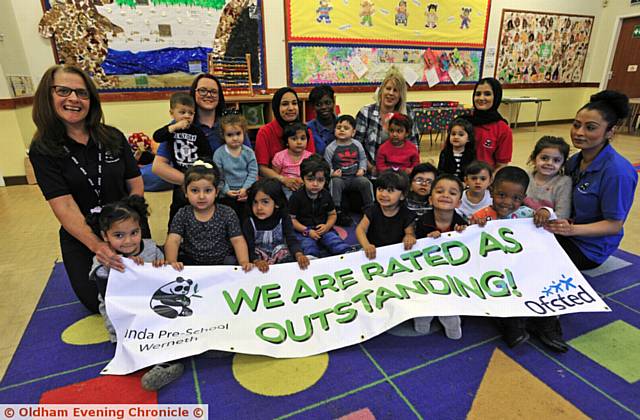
(515,103)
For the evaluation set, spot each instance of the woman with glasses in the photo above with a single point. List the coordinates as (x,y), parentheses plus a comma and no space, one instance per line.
(81,164)
(209,98)
(286,110)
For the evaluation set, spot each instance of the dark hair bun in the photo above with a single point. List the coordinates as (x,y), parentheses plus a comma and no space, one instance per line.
(618,102)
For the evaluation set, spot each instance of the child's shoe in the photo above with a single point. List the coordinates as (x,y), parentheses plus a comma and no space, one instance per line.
(452,326)
(422,324)
(343,218)
(514,331)
(161,375)
(549,331)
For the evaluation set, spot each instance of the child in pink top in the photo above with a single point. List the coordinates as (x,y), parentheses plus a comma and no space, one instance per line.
(397,153)
(287,162)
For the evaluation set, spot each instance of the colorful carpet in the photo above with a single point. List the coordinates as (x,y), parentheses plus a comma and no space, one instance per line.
(399,374)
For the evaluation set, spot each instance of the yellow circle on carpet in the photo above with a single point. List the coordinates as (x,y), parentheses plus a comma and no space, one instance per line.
(278,377)
(89,330)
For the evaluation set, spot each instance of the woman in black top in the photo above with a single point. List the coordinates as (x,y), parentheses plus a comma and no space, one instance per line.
(80,164)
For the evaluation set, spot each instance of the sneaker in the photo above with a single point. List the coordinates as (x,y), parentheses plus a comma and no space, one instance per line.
(549,331)
(344,219)
(161,375)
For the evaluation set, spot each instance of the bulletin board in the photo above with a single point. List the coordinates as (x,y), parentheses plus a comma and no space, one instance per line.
(354,42)
(537,47)
(138,45)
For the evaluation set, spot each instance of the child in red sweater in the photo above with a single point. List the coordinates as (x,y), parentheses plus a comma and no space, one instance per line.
(397,153)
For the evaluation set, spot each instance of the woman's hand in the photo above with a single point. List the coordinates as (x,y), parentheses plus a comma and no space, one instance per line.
(292,183)
(261,265)
(303,261)
(107,257)
(562,227)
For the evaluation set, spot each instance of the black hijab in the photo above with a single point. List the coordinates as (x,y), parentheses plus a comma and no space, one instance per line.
(491,115)
(275,104)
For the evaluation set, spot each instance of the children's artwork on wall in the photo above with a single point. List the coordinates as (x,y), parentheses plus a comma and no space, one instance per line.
(461,23)
(153,44)
(346,65)
(538,47)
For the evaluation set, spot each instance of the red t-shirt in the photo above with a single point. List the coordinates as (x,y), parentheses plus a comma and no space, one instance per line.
(269,142)
(396,158)
(494,142)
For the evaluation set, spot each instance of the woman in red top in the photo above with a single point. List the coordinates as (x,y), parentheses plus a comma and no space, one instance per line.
(494,139)
(285,105)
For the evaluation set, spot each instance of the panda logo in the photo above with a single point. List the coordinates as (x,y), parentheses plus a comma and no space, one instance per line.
(488,143)
(173,299)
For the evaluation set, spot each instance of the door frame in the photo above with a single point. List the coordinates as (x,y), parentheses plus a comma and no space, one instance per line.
(613,43)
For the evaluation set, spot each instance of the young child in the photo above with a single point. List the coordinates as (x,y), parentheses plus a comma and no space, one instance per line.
(287,162)
(348,162)
(119,225)
(477,196)
(388,221)
(459,148)
(397,152)
(268,229)
(187,143)
(236,162)
(445,198)
(422,177)
(203,233)
(548,187)
(313,213)
(508,192)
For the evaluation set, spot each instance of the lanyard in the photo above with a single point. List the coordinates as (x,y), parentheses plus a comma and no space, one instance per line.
(96,186)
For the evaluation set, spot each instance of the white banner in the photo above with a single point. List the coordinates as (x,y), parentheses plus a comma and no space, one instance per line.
(509,268)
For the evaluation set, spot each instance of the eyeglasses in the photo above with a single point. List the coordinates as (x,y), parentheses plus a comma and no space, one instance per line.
(207,92)
(422,181)
(64,92)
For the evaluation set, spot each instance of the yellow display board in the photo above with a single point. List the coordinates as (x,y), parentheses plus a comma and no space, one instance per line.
(462,23)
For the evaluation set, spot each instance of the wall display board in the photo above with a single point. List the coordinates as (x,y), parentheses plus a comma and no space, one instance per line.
(538,47)
(153,44)
(313,64)
(354,42)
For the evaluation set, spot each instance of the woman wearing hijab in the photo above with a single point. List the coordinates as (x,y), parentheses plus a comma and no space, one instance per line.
(494,139)
(285,106)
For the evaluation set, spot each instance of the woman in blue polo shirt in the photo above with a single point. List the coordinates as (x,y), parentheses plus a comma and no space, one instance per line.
(604,183)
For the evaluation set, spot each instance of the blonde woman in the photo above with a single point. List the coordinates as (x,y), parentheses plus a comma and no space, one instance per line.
(371,120)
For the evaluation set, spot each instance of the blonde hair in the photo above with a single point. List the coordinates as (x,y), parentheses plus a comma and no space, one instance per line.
(394,75)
